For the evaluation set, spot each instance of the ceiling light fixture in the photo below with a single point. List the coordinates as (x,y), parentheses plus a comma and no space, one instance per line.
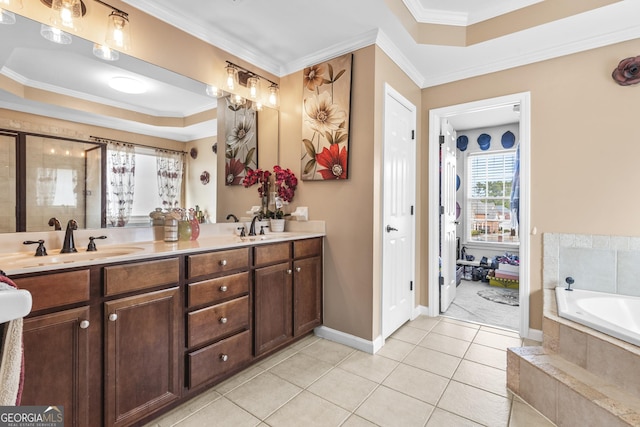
(55,35)
(128,85)
(118,29)
(251,81)
(103,51)
(7,17)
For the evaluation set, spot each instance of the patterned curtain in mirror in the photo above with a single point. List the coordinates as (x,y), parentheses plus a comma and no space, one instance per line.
(121,166)
(170,166)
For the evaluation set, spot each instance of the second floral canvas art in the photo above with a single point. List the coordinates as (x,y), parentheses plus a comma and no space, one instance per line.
(325,119)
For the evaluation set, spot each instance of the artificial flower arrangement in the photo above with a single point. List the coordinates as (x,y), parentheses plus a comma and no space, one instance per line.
(285,183)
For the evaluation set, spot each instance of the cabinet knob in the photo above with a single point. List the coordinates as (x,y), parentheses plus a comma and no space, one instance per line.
(223,262)
(113,317)
(298,269)
(223,320)
(84,324)
(289,271)
(223,288)
(224,357)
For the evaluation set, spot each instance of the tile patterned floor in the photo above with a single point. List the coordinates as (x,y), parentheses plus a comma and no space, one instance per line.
(434,372)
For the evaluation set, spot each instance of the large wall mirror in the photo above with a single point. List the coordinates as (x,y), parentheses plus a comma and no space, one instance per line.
(42,79)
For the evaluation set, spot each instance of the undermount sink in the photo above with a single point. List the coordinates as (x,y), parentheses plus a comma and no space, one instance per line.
(54,258)
(14,304)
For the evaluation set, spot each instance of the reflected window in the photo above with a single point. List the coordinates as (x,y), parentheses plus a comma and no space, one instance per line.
(57,187)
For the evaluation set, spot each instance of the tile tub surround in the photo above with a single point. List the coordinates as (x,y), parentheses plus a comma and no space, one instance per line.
(578,367)
(432,372)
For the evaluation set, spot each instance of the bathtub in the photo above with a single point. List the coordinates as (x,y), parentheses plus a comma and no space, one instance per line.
(611,314)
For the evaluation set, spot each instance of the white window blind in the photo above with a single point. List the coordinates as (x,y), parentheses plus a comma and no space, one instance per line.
(488,207)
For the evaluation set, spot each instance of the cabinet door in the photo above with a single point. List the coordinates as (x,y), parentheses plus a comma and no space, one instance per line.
(307,295)
(273,299)
(142,348)
(56,361)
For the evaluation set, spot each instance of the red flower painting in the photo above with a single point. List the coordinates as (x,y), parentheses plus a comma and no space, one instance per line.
(334,160)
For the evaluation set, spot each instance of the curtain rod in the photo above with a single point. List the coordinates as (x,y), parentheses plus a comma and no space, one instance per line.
(107,140)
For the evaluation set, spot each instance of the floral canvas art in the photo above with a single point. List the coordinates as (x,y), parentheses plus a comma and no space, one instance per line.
(241,141)
(325,119)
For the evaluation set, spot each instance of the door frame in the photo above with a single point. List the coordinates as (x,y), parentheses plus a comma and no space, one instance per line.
(435,116)
(390,92)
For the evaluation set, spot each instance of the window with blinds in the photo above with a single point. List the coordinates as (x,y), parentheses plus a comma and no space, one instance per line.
(488,208)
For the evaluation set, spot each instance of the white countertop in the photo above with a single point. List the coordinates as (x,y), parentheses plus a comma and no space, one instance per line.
(130,245)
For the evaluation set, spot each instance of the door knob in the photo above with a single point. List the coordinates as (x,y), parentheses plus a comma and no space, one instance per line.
(390,229)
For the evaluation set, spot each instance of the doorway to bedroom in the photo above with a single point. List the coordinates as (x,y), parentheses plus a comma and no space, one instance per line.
(487,267)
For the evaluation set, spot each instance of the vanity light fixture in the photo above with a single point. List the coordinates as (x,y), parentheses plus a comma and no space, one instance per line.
(251,81)
(118,29)
(55,35)
(67,14)
(7,17)
(213,91)
(232,76)
(103,51)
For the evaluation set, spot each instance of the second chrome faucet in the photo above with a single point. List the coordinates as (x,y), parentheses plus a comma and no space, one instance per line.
(69,245)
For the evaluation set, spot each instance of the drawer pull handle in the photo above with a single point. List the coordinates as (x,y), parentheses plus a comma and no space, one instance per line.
(224,357)
(223,320)
(223,262)
(223,288)
(113,317)
(289,271)
(84,324)
(298,269)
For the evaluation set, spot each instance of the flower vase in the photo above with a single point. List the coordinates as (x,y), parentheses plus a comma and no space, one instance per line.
(277,225)
(195,228)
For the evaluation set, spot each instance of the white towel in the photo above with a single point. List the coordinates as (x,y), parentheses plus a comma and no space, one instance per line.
(11,364)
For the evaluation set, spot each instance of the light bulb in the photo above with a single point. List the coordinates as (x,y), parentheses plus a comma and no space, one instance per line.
(254,85)
(273,95)
(231,77)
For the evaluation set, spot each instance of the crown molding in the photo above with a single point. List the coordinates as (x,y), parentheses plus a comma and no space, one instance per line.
(625,34)
(461,19)
(392,51)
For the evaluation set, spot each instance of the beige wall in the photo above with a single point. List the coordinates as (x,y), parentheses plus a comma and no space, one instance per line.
(584,146)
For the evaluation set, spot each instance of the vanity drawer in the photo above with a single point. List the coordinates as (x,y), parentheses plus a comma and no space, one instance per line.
(217,359)
(134,277)
(217,262)
(216,321)
(56,289)
(307,247)
(214,290)
(271,254)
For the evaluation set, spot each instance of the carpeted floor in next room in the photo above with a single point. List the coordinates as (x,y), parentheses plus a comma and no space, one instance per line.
(470,306)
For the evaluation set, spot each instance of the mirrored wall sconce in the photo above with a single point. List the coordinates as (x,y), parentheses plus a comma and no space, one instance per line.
(252,81)
(7,17)
(118,34)
(54,34)
(103,51)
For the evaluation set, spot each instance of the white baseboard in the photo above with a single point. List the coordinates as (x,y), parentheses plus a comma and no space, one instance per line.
(358,343)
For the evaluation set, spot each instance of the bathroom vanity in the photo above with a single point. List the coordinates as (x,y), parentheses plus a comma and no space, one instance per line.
(119,340)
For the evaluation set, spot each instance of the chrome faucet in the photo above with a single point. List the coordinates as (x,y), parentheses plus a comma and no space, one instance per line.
(252,229)
(69,246)
(235,218)
(53,222)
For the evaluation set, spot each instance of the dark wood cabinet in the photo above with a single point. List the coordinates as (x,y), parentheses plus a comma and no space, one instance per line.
(56,362)
(307,294)
(273,298)
(142,354)
(117,343)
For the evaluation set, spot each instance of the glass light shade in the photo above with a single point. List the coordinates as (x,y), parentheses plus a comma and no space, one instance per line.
(253,83)
(118,31)
(232,77)
(7,18)
(237,100)
(66,14)
(213,91)
(273,95)
(55,35)
(103,51)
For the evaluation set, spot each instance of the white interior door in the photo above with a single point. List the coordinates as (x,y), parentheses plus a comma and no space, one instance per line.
(398,218)
(448,220)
